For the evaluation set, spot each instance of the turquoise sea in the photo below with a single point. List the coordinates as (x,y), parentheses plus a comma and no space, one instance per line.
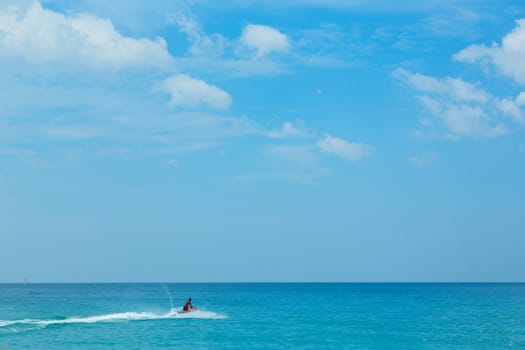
(263,315)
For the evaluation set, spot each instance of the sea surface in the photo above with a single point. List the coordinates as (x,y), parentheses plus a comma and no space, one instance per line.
(263,316)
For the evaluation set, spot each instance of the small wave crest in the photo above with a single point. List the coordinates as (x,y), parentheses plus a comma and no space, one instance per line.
(113,317)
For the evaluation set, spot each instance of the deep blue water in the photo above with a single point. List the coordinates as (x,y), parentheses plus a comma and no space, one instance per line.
(265,316)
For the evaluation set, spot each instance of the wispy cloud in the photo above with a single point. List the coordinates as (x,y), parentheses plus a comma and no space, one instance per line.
(328,46)
(352,151)
(292,129)
(424,159)
(23,155)
(73,131)
(217,53)
(451,20)
(463,109)
(453,88)
(463,120)
(172,133)
(17,152)
(467,110)
(202,44)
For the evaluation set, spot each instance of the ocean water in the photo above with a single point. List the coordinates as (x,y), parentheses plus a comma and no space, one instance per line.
(262,315)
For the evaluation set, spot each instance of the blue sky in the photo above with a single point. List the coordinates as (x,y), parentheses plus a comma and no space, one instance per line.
(302,140)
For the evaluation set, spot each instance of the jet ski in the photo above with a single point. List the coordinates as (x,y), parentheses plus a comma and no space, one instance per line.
(188,311)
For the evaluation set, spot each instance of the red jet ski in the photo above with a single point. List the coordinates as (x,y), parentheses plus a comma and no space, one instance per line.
(188,310)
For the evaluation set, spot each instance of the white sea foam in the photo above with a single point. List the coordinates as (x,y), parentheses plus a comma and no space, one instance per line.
(115,317)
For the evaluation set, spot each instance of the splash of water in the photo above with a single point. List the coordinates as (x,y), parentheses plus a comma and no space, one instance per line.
(169,294)
(202,314)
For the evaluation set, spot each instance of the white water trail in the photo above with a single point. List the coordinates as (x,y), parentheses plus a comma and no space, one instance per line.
(115,317)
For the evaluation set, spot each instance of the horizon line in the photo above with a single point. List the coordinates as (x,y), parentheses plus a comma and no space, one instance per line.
(267,282)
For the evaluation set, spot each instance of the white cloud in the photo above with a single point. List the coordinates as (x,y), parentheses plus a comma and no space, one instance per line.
(508,57)
(217,53)
(264,39)
(462,120)
(250,54)
(432,105)
(470,121)
(463,109)
(520,100)
(186,91)
(513,108)
(352,151)
(40,35)
(457,89)
(289,129)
